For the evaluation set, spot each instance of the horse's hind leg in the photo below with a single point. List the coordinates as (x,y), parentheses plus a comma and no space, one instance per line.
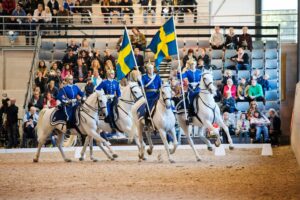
(225,128)
(164,139)
(86,142)
(150,149)
(175,143)
(114,155)
(60,141)
(204,139)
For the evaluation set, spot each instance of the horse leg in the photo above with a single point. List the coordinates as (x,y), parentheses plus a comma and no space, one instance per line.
(150,149)
(175,143)
(164,139)
(86,142)
(114,155)
(204,139)
(60,141)
(142,149)
(225,128)
(208,124)
(185,129)
(41,140)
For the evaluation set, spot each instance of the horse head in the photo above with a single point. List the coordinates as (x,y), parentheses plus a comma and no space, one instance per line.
(102,102)
(207,81)
(135,91)
(166,95)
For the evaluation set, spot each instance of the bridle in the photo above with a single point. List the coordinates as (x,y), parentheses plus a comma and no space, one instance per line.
(132,96)
(205,84)
(163,98)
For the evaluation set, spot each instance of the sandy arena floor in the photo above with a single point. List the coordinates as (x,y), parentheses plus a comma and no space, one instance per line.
(241,174)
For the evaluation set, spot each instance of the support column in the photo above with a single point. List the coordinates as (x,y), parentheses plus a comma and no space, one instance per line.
(258,17)
(298,45)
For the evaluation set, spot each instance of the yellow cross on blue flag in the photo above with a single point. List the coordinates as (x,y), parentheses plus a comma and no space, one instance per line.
(126,60)
(164,42)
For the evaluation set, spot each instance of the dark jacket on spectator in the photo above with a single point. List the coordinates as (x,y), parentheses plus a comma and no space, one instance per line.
(8,6)
(228,105)
(55,5)
(129,4)
(84,74)
(231,42)
(245,58)
(12,115)
(41,83)
(139,60)
(248,39)
(186,58)
(70,60)
(38,104)
(53,91)
(146,3)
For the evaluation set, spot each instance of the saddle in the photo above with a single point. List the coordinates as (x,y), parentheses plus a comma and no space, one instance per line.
(58,116)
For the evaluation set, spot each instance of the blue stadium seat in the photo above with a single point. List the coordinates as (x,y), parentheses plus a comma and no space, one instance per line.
(217,75)
(229,63)
(271,95)
(229,53)
(260,106)
(243,74)
(271,64)
(60,46)
(273,84)
(257,64)
(47,45)
(273,74)
(271,44)
(58,55)
(242,106)
(217,62)
(257,54)
(216,54)
(272,104)
(45,55)
(191,43)
(248,52)
(271,54)
(258,44)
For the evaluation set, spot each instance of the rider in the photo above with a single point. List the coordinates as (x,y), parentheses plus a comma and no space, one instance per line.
(152,84)
(111,88)
(194,76)
(68,96)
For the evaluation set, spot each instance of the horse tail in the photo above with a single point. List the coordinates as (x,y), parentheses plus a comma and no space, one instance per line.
(40,121)
(71,141)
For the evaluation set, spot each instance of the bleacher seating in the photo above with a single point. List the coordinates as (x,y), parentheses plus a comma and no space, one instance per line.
(258,44)
(218,63)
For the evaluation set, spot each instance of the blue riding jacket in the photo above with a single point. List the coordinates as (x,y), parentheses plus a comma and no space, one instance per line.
(152,86)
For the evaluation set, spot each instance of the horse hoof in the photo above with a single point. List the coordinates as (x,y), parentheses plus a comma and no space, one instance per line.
(209,148)
(112,159)
(144,158)
(149,151)
(217,144)
(231,147)
(115,155)
(68,160)
(35,160)
(171,161)
(94,160)
(198,159)
(81,159)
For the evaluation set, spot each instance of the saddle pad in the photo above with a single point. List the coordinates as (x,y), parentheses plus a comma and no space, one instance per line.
(141,111)
(58,116)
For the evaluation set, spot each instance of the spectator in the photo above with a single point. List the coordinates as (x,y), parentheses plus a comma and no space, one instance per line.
(264,82)
(253,107)
(138,39)
(95,66)
(218,96)
(30,28)
(85,45)
(227,75)
(86,60)
(127,9)
(36,100)
(242,91)
(192,9)
(230,124)
(190,56)
(255,91)
(53,75)
(53,4)
(217,39)
(256,75)
(96,55)
(149,7)
(42,68)
(89,87)
(231,39)
(275,127)
(86,10)
(31,5)
(167,8)
(115,11)
(8,6)
(80,72)
(107,67)
(13,28)
(63,18)
(39,14)
(40,81)
(96,79)
(69,58)
(260,122)
(105,10)
(29,123)
(203,56)
(66,71)
(48,15)
(139,60)
(19,12)
(2,20)
(242,128)
(242,59)
(49,101)
(68,5)
(3,113)
(230,87)
(77,9)
(73,46)
(108,56)
(54,67)
(228,104)
(245,40)
(12,124)
(52,89)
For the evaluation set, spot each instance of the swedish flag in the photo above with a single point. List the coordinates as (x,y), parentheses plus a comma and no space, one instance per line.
(164,42)
(126,60)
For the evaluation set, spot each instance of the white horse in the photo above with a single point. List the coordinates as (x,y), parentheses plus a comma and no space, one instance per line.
(207,113)
(88,116)
(163,121)
(130,94)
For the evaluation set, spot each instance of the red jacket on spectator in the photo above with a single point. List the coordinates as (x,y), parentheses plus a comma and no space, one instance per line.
(8,6)
(233,91)
(49,104)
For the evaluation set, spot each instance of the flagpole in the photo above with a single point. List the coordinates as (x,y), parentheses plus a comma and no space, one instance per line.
(141,82)
(181,81)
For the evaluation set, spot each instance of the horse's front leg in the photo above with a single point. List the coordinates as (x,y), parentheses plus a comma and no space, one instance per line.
(150,149)
(204,139)
(60,141)
(41,140)
(210,127)
(163,135)
(141,142)
(225,128)
(114,155)
(86,142)
(100,140)
(175,143)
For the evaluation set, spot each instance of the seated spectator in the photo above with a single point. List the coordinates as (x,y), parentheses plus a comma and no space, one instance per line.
(36,100)
(218,97)
(86,10)
(260,122)
(228,104)
(107,67)
(190,56)
(68,5)
(80,72)
(138,39)
(231,41)
(275,127)
(73,46)
(242,91)
(54,67)
(30,6)
(96,79)
(255,91)
(217,39)
(203,56)
(8,6)
(29,123)
(40,81)
(105,10)
(49,101)
(66,71)
(42,68)
(77,9)
(19,12)
(139,60)
(253,107)
(85,57)
(70,58)
(192,9)
(242,128)
(53,4)
(227,75)
(39,14)
(256,75)
(89,87)
(53,75)
(30,27)
(230,87)
(52,89)
(245,40)
(231,127)
(108,56)
(264,82)
(149,7)
(127,10)
(48,15)
(85,45)
(242,59)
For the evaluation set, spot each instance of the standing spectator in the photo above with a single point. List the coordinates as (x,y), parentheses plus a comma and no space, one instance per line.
(275,127)
(192,9)
(138,39)
(228,104)
(86,11)
(242,59)
(30,27)
(127,9)
(80,72)
(29,122)
(242,91)
(52,89)
(39,14)
(8,6)
(230,87)
(12,124)
(40,81)
(149,7)
(37,100)
(231,39)
(230,124)
(217,39)
(245,40)
(53,4)
(139,60)
(13,28)
(49,101)
(242,128)
(70,58)
(190,56)
(260,122)
(255,91)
